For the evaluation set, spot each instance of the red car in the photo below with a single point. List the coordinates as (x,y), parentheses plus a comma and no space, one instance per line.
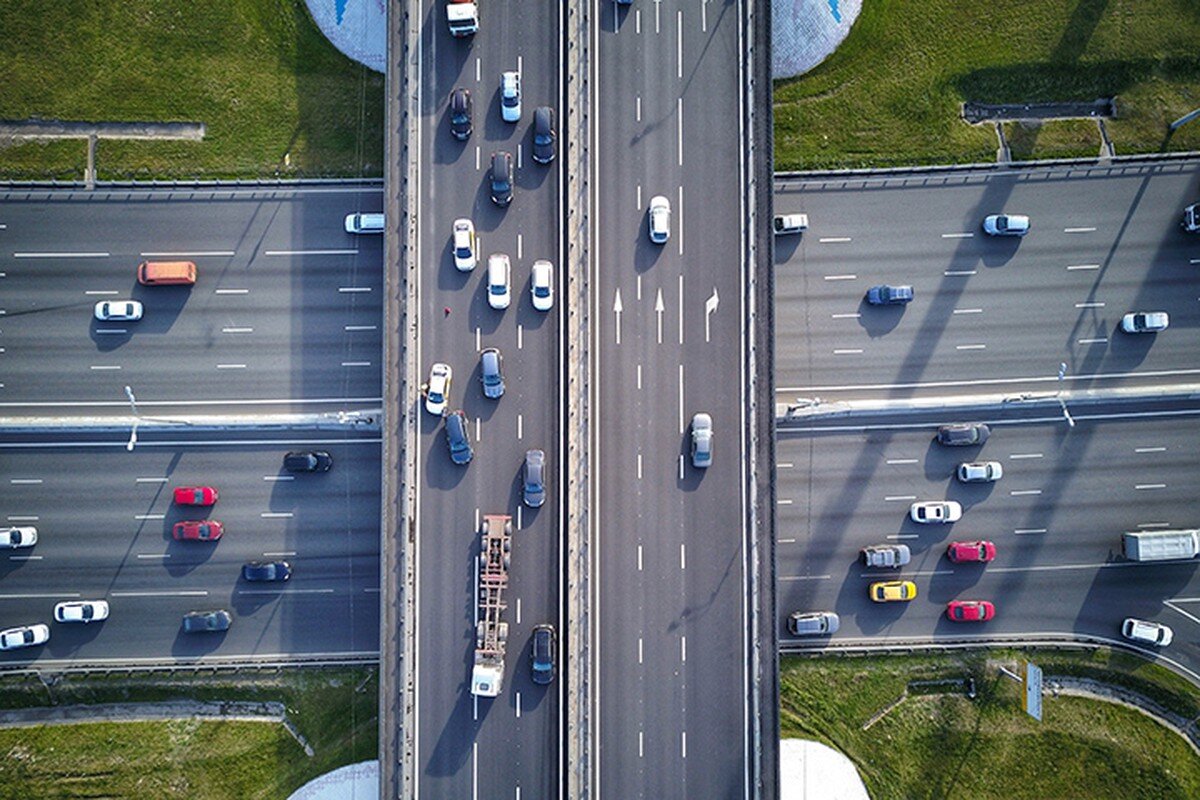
(970,610)
(958,552)
(204,530)
(195,495)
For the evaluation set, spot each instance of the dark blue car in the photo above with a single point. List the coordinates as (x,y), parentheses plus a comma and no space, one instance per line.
(884,295)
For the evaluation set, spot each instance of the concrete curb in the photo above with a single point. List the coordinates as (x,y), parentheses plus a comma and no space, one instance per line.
(247,183)
(353,420)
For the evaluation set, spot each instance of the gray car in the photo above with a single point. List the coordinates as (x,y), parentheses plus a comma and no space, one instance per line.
(702,441)
(813,623)
(535,479)
(458,438)
(963,434)
(491,373)
(886,555)
(207,621)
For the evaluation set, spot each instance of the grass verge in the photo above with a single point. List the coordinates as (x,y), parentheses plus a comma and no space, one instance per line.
(335,709)
(277,98)
(943,745)
(890,95)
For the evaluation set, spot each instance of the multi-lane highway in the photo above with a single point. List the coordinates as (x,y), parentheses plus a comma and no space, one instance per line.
(990,315)
(284,315)
(104,519)
(468,746)
(1056,518)
(671,328)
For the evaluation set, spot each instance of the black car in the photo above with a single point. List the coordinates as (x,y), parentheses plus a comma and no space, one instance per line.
(458,438)
(542,655)
(266,571)
(963,433)
(316,461)
(491,373)
(502,178)
(544,136)
(460,114)
(207,621)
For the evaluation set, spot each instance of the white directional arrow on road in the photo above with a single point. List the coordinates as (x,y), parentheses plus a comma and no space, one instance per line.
(617,309)
(659,308)
(710,305)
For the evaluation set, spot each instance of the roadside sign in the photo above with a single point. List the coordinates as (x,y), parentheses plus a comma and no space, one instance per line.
(1033,690)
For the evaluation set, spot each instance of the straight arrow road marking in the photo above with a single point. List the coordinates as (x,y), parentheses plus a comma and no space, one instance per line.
(617,309)
(659,308)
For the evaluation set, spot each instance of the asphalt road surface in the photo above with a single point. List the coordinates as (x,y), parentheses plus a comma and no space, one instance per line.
(669,567)
(467,746)
(284,316)
(104,519)
(1056,518)
(990,315)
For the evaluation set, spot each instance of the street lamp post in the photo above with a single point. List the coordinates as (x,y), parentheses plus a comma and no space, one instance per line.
(1062,373)
(133,408)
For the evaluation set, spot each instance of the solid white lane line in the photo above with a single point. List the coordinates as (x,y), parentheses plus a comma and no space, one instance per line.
(477,429)
(1015,456)
(276,514)
(520,337)
(518,709)
(24,481)
(149,516)
(679,238)
(641,745)
(478,339)
(683,649)
(901,536)
(641,650)
(351,328)
(680,466)
(855,315)
(1078,230)
(518,599)
(638,113)
(353,289)
(478,162)
(520,246)
(231,366)
(639,287)
(682,556)
(280,554)
(970,347)
(639,466)
(959,273)
(899,497)
(60,255)
(237,330)
(901,461)
(848,351)
(520,426)
(1149,449)
(639,377)
(520,155)
(784,502)
(681,305)
(231,291)
(153,555)
(984,381)
(1097,340)
(29,518)
(310,252)
(968,311)
(1154,524)
(1022,492)
(683,743)
(681,426)
(786,541)
(1090,305)
(196,254)
(842,277)
(639,558)
(679,45)
(639,206)
(1141,486)
(1022,531)
(179,593)
(784,465)
(25,558)
(100,292)
(105,366)
(113,331)
(1074,267)
(520,525)
(478,69)
(833,239)
(356,363)
(679,128)
(957,235)
(279,477)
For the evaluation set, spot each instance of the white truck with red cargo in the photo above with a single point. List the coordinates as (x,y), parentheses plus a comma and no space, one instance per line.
(491,632)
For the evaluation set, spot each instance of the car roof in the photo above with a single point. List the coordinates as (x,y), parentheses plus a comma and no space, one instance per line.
(542,116)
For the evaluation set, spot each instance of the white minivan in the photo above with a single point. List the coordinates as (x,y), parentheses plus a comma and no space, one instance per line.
(364,223)
(498,280)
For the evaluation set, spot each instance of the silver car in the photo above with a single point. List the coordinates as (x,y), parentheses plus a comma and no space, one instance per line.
(1006,225)
(702,441)
(813,623)
(980,471)
(1145,322)
(885,555)
(491,373)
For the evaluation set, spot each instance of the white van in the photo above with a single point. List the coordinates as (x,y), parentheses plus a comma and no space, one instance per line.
(364,223)
(498,281)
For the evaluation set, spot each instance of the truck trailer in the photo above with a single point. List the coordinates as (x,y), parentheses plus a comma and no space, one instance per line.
(491,632)
(1161,545)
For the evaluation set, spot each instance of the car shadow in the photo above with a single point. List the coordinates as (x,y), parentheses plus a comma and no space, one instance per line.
(879,320)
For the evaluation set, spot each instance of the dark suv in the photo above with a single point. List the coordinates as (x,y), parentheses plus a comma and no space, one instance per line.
(502,178)
(458,439)
(544,135)
(542,655)
(318,461)
(460,114)
(963,433)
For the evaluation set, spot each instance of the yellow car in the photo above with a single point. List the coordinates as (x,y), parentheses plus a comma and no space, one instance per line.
(889,591)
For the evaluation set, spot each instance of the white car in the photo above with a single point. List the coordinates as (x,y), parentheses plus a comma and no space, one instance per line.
(498,279)
(541,287)
(1139,630)
(935,511)
(127,310)
(1006,225)
(364,223)
(24,636)
(510,96)
(465,255)
(1145,322)
(81,611)
(980,471)
(660,219)
(25,536)
(438,388)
